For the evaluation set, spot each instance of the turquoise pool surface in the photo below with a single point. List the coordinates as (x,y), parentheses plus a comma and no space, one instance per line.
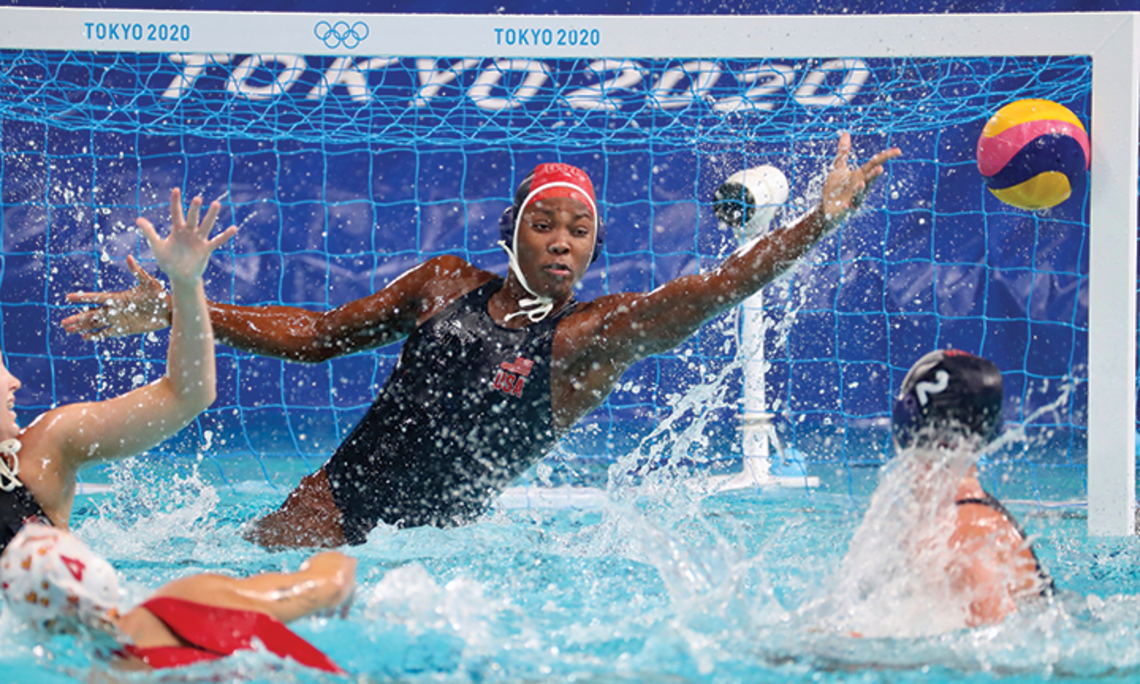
(658,582)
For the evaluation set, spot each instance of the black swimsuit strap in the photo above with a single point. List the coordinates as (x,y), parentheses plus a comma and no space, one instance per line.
(18,508)
(990,501)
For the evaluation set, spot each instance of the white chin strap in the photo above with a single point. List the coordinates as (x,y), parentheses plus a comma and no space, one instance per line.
(8,479)
(539,306)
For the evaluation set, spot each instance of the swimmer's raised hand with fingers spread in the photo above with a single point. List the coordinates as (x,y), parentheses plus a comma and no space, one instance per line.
(39,463)
(494,370)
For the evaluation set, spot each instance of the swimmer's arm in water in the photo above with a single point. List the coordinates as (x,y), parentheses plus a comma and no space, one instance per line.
(293,333)
(324,582)
(143,417)
(637,326)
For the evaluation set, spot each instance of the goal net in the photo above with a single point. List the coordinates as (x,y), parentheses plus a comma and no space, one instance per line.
(348,148)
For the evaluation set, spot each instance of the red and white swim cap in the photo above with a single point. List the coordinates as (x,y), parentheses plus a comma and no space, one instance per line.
(552,180)
(547,180)
(559,180)
(49,575)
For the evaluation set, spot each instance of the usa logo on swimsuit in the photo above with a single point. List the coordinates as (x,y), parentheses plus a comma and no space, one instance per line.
(511,377)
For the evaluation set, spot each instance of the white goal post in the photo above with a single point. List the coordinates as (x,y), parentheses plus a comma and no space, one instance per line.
(1110,39)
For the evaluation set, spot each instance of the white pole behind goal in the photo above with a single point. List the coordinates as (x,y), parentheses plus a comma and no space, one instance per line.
(1109,38)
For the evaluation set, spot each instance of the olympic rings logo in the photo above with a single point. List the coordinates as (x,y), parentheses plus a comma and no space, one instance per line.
(340,33)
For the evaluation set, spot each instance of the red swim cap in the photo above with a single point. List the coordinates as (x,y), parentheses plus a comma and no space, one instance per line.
(553,180)
(558,180)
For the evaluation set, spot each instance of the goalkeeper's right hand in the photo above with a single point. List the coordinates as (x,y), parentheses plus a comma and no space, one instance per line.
(143,308)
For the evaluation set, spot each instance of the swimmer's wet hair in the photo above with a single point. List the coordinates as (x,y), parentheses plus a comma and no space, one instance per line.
(948,392)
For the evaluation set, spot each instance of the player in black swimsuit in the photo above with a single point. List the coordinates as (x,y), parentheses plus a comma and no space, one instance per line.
(494,370)
(951,402)
(465,412)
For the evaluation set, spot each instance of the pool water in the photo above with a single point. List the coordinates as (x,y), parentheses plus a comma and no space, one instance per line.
(661,582)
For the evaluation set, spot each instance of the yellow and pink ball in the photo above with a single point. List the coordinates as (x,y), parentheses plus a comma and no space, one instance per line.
(1032,154)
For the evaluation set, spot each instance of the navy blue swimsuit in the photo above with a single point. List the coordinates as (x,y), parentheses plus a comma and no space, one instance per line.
(465,412)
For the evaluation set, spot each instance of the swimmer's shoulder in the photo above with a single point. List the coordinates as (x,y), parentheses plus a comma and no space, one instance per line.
(590,318)
(990,533)
(977,513)
(44,438)
(47,459)
(603,307)
(443,279)
(981,522)
(590,330)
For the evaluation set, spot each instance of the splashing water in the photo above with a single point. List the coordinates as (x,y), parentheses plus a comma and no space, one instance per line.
(893,580)
(668,467)
(665,582)
(742,588)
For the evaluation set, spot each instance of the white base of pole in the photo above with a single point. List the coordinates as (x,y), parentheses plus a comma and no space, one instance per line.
(755,475)
(759,439)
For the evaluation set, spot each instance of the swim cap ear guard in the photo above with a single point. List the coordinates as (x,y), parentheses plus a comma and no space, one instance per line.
(948,393)
(50,579)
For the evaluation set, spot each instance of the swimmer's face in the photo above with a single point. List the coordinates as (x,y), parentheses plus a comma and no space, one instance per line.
(555,243)
(9,428)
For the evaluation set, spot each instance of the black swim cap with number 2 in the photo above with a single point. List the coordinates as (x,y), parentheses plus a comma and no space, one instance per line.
(948,391)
